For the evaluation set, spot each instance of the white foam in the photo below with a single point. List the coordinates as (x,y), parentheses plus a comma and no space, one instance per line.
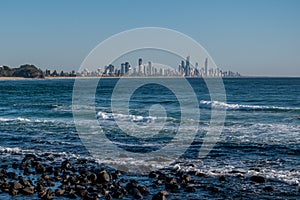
(223,105)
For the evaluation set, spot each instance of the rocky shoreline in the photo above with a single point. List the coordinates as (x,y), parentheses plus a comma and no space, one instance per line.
(43,178)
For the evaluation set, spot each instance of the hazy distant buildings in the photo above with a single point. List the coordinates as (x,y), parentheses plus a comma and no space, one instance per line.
(185,69)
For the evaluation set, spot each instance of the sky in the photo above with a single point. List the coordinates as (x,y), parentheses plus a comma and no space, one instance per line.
(257,37)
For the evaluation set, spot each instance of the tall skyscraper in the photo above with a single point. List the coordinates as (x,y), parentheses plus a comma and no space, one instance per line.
(205,67)
(187,66)
(140,63)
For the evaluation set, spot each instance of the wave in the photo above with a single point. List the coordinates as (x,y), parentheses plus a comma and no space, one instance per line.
(244,107)
(133,118)
(22,119)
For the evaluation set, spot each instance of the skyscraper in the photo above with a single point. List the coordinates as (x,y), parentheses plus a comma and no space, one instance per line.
(187,66)
(205,67)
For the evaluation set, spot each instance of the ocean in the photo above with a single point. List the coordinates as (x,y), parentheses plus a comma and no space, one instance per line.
(260,137)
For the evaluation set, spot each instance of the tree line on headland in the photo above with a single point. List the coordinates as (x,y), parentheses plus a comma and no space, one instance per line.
(24,71)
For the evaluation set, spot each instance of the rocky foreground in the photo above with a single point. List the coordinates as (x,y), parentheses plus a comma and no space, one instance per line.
(40,177)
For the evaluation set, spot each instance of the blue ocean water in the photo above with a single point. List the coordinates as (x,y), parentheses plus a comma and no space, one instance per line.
(261,130)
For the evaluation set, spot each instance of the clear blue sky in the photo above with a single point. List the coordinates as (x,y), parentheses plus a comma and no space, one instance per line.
(255,37)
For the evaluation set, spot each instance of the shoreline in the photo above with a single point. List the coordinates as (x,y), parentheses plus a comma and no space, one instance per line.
(99,77)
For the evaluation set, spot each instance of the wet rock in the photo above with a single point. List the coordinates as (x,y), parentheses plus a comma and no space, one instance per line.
(93,178)
(103,177)
(258,179)
(108,197)
(13,192)
(16,185)
(59,192)
(268,189)
(117,194)
(29,157)
(144,190)
(28,190)
(49,195)
(214,189)
(40,169)
(190,189)
(153,174)
(162,195)
(115,175)
(172,187)
(11,175)
(66,165)
(136,194)
(15,165)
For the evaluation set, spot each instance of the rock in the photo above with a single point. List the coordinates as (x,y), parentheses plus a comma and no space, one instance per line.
(13,192)
(162,195)
(49,194)
(103,177)
(214,189)
(40,169)
(108,197)
(153,174)
(268,189)
(144,190)
(115,175)
(172,187)
(28,190)
(66,165)
(29,157)
(93,177)
(11,175)
(15,165)
(258,179)
(136,194)
(117,194)
(59,192)
(16,185)
(190,189)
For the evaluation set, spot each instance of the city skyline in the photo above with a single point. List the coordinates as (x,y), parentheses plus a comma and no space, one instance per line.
(254,38)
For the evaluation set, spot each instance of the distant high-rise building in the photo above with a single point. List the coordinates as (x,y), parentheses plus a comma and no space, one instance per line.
(187,66)
(205,67)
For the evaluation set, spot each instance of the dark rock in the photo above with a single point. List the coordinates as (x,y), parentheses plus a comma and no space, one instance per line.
(144,190)
(15,165)
(11,175)
(28,190)
(29,157)
(153,174)
(268,189)
(66,165)
(117,194)
(172,187)
(13,192)
(214,189)
(258,179)
(136,194)
(49,195)
(59,192)
(162,195)
(16,185)
(115,175)
(40,169)
(190,189)
(103,177)
(108,197)
(93,177)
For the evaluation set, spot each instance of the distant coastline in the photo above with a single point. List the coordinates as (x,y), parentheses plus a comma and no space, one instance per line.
(104,77)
